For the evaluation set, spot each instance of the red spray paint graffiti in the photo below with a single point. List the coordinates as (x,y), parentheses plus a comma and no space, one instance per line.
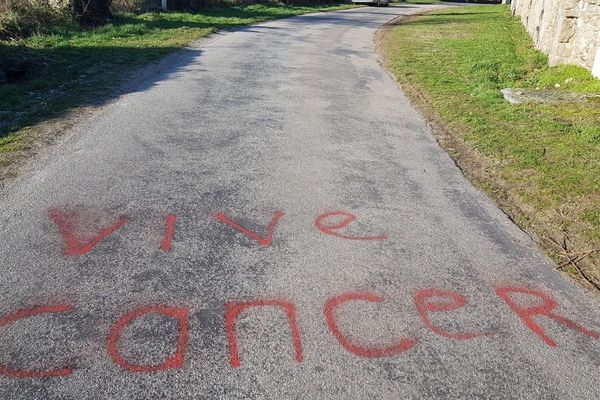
(234,309)
(330,223)
(546,309)
(266,240)
(364,351)
(425,306)
(335,224)
(427,301)
(31,312)
(169,233)
(173,362)
(74,245)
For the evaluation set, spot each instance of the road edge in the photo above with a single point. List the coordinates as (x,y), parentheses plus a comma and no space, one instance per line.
(44,137)
(474,167)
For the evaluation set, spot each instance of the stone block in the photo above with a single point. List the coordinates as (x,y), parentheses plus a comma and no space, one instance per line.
(596,66)
(568,30)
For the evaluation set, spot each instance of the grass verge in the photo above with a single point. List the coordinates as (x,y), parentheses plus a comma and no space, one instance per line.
(540,163)
(68,67)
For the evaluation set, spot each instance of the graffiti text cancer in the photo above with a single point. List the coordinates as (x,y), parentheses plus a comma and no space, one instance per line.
(428,303)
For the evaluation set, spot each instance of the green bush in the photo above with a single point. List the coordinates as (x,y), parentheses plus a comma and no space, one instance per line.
(134,6)
(22,18)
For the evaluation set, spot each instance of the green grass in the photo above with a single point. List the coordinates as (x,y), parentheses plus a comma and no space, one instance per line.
(542,162)
(75,67)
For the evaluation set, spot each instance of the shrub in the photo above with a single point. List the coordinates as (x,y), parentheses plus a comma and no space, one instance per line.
(23,18)
(91,12)
(135,6)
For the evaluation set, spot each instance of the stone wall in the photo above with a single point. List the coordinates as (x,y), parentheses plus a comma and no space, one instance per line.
(567,30)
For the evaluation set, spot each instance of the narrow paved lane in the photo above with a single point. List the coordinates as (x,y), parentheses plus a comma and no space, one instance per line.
(269,218)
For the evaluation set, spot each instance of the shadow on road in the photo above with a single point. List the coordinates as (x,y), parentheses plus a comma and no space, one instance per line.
(45,82)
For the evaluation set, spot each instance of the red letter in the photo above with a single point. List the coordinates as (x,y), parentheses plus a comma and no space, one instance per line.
(546,309)
(21,314)
(170,231)
(174,361)
(266,241)
(233,309)
(75,247)
(424,307)
(344,222)
(370,352)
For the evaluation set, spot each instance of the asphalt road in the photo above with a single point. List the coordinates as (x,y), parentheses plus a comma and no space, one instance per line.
(197,240)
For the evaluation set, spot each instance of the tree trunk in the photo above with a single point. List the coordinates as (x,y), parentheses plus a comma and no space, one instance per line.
(91,12)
